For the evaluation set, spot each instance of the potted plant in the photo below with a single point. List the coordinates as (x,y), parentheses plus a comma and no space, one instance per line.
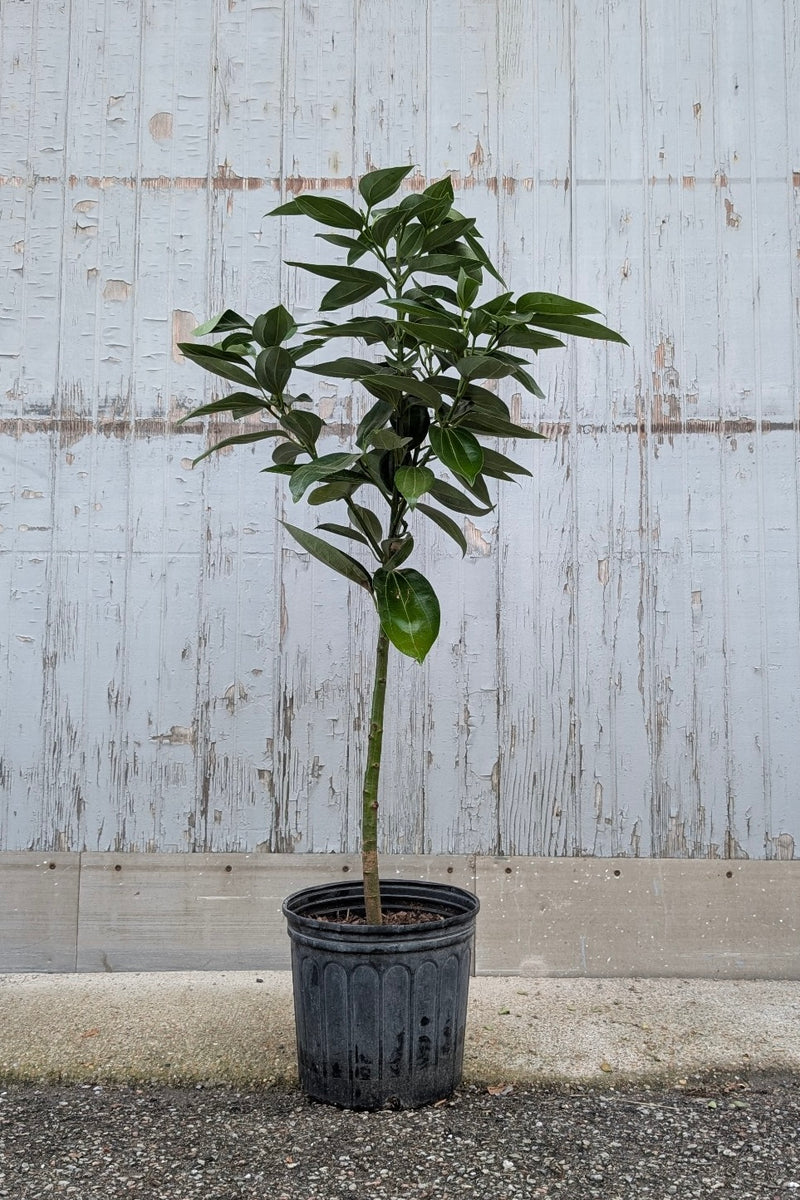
(381,969)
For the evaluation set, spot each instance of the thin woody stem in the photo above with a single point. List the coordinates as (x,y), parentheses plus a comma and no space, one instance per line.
(369,818)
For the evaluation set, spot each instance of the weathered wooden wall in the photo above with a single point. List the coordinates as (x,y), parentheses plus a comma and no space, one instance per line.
(619,667)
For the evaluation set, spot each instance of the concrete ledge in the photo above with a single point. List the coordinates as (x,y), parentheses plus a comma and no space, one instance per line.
(581,917)
(238,1028)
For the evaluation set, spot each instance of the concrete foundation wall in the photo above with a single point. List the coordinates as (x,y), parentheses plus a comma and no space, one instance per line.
(541,917)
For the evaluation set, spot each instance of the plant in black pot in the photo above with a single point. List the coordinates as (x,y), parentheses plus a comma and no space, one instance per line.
(381,970)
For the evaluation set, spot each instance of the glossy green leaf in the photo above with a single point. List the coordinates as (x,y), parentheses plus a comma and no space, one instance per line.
(348,292)
(387,439)
(338,489)
(220,324)
(495,426)
(529,339)
(458,449)
(286,452)
(408,610)
(442,189)
(218,362)
(274,327)
(498,466)
(306,426)
(386,226)
(374,419)
(528,382)
(366,520)
(319,469)
(354,274)
(369,329)
(344,531)
(447,264)
(449,231)
(341,239)
(402,551)
(240,404)
(344,368)
(549,302)
(240,439)
(323,209)
(378,186)
(331,556)
(437,335)
(455,500)
(578,327)
(406,385)
(483,366)
(274,369)
(413,482)
(466,290)
(446,524)
(411,242)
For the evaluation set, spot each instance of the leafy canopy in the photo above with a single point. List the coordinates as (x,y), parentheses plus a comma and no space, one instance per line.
(420,449)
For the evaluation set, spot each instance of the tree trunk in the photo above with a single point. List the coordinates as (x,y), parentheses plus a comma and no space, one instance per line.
(369,812)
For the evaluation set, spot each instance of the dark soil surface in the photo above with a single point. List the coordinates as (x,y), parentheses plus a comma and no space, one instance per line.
(728,1138)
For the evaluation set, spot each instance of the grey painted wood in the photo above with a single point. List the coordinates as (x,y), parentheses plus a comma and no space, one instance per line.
(624,917)
(39,911)
(617,669)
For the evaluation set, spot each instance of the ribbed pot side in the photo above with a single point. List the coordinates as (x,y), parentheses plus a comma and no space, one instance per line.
(380,1010)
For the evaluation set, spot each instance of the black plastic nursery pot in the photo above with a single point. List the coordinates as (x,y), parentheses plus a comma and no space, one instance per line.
(380,1010)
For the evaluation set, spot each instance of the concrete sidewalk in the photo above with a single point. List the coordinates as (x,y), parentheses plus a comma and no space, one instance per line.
(237,1028)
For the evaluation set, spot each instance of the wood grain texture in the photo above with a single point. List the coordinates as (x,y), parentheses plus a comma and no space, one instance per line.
(618,664)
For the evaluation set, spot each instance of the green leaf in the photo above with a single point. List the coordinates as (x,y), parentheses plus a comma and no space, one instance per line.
(338,489)
(458,449)
(408,610)
(348,292)
(483,366)
(453,499)
(529,339)
(323,209)
(466,290)
(406,385)
(274,327)
(527,381)
(274,369)
(369,329)
(221,324)
(218,362)
(356,274)
(306,426)
(286,452)
(437,335)
(448,232)
(387,439)
(549,302)
(375,419)
(413,482)
(445,523)
(342,240)
(365,520)
(402,551)
(387,225)
(495,426)
(411,242)
(447,264)
(331,556)
(240,439)
(578,327)
(344,368)
(378,186)
(320,468)
(344,531)
(442,189)
(498,466)
(241,404)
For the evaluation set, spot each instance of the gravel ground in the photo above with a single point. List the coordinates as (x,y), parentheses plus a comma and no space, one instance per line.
(735,1137)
